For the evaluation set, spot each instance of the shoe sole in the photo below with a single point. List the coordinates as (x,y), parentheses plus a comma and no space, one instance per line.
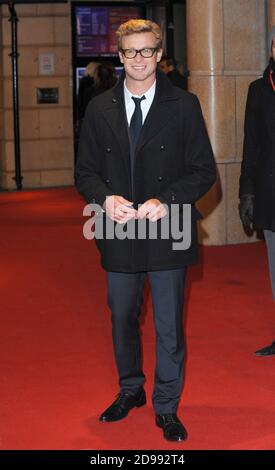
(264,355)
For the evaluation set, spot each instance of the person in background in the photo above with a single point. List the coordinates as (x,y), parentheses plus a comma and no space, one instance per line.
(86,82)
(104,79)
(257,179)
(169,67)
(143,150)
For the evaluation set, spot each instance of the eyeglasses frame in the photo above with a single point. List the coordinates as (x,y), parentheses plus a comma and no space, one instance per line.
(139,51)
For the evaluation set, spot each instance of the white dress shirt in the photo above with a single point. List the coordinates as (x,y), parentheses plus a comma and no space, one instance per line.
(145,104)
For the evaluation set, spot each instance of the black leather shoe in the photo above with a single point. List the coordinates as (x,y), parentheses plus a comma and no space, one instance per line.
(173,429)
(122,405)
(267,351)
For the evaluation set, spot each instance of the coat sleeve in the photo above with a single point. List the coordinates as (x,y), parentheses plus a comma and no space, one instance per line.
(199,171)
(88,177)
(251,143)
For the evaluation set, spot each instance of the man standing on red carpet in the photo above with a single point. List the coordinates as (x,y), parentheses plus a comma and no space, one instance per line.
(257,181)
(143,150)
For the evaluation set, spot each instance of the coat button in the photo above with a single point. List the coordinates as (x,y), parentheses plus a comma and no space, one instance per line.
(173,198)
(159,178)
(162,147)
(107,181)
(108,149)
(114,100)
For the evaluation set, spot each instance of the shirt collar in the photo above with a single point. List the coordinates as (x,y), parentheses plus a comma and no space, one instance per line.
(149,94)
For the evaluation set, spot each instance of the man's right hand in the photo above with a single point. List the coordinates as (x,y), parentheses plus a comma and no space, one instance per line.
(119,209)
(246,208)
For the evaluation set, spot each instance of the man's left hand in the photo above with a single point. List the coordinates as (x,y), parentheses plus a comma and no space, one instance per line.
(152,209)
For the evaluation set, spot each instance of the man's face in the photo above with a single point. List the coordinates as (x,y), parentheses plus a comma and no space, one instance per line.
(140,68)
(273,49)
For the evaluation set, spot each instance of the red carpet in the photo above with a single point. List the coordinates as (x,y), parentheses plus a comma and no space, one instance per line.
(57,369)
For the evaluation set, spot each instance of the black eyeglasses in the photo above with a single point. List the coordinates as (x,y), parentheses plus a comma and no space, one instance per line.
(145,52)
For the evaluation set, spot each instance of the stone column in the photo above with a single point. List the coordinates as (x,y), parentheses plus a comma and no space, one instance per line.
(225,52)
(271,13)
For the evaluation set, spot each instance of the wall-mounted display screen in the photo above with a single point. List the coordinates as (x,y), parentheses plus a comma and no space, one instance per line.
(96,27)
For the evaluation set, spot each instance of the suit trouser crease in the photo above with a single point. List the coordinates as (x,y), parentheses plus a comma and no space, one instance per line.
(125,297)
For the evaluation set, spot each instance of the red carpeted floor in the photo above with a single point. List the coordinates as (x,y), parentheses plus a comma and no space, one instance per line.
(57,369)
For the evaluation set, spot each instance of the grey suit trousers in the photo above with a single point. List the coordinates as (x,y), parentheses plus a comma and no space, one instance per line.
(125,297)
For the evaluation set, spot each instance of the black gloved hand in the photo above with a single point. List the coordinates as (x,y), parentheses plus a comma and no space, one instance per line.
(246,207)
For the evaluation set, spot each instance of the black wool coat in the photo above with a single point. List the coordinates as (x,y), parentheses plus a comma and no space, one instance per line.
(173,163)
(258,165)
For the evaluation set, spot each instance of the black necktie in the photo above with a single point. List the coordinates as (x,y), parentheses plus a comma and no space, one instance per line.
(135,128)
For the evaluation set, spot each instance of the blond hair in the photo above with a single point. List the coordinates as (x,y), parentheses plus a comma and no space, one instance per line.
(91,68)
(138,26)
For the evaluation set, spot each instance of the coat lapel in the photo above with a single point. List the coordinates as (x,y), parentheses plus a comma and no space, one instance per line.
(159,115)
(157,118)
(269,110)
(268,102)
(115,115)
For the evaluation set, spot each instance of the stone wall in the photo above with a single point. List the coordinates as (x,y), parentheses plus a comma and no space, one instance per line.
(46,130)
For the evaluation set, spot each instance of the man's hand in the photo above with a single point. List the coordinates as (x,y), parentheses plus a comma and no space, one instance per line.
(152,209)
(119,209)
